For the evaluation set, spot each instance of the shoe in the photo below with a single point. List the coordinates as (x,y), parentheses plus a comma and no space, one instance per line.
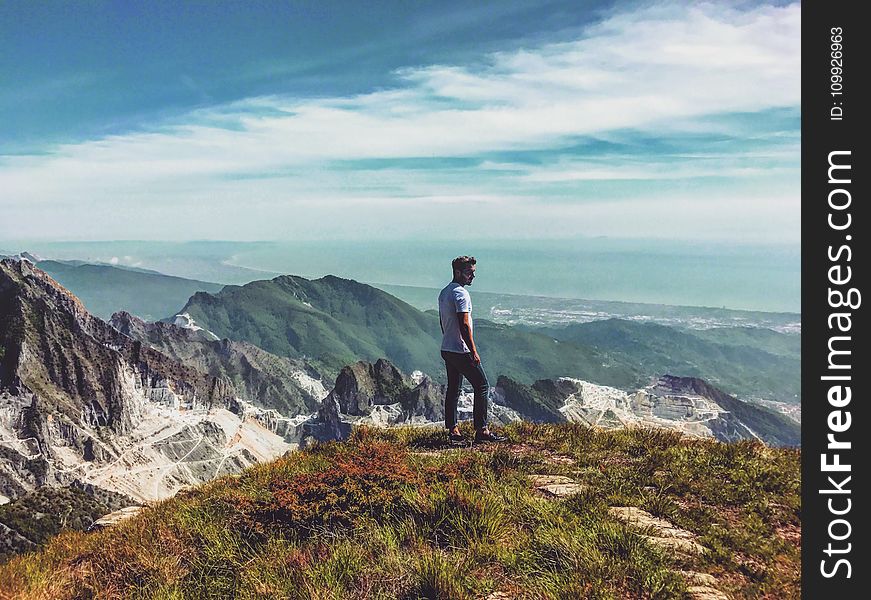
(489,437)
(455,438)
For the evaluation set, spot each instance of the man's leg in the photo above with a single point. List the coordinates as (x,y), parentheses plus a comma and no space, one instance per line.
(452,394)
(474,373)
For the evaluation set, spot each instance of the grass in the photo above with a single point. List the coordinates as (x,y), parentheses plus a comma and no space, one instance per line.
(396,513)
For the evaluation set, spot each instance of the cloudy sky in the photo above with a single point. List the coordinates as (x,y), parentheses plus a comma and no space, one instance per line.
(348,120)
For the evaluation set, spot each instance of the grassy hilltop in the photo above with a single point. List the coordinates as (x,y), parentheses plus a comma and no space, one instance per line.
(395,513)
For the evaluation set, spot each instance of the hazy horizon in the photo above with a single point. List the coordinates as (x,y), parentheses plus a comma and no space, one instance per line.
(680,273)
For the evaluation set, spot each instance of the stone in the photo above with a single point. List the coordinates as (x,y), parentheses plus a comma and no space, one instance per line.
(661,533)
(704,592)
(116,517)
(557,486)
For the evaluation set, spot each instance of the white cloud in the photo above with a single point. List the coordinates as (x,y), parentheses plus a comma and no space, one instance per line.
(650,69)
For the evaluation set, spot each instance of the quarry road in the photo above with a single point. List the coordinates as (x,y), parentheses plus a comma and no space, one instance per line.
(17,441)
(168,469)
(101,473)
(224,459)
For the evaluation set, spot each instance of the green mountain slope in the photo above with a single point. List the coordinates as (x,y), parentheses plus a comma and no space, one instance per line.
(330,320)
(773,342)
(336,321)
(105,289)
(749,363)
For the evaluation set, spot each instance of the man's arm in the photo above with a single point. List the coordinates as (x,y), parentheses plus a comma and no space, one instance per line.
(465,321)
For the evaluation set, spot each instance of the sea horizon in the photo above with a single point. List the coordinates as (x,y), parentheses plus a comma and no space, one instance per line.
(752,277)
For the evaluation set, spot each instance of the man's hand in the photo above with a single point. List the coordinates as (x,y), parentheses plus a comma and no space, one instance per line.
(465,320)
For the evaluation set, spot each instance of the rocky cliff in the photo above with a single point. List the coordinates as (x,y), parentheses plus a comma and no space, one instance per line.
(687,404)
(292,387)
(79,367)
(81,401)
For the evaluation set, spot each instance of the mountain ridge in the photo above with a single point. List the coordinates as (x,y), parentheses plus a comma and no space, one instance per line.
(336,321)
(266,380)
(83,402)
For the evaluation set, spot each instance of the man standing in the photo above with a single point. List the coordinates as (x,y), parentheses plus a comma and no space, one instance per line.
(460,354)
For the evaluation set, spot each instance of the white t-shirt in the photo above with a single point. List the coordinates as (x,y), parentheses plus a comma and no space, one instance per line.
(452,300)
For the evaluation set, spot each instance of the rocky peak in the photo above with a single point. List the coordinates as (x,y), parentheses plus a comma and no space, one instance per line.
(138,329)
(427,399)
(128,324)
(362,385)
(21,279)
(376,393)
(540,403)
(290,386)
(671,384)
(77,365)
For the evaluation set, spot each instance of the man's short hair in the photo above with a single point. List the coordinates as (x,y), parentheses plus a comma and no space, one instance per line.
(462,262)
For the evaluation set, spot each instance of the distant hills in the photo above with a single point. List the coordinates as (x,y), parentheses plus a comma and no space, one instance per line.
(749,362)
(106,289)
(335,322)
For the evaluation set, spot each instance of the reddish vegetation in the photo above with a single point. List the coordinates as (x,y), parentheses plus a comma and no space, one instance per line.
(365,482)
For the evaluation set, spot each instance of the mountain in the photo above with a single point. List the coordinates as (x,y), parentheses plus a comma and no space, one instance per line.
(291,387)
(106,289)
(743,418)
(380,394)
(80,402)
(750,362)
(332,321)
(687,404)
(363,387)
(335,322)
(75,363)
(537,403)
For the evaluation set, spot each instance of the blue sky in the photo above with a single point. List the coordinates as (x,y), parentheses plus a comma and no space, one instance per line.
(314,120)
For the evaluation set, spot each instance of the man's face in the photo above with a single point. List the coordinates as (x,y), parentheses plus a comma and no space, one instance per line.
(467,275)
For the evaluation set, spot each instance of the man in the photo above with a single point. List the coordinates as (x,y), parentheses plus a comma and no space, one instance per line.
(460,354)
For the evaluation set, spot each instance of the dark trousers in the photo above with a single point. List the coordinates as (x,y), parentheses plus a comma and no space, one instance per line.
(459,366)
